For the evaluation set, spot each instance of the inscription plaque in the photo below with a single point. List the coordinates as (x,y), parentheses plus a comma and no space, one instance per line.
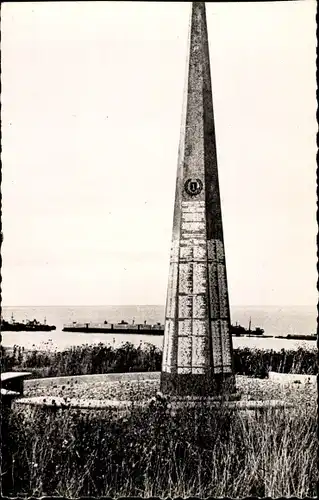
(199,306)
(184,352)
(211,253)
(172,288)
(200,327)
(193,209)
(216,347)
(193,216)
(186,252)
(174,252)
(185,327)
(222,289)
(199,278)
(171,307)
(220,255)
(170,349)
(199,253)
(195,227)
(185,306)
(170,328)
(185,277)
(195,236)
(165,348)
(213,290)
(191,241)
(225,336)
(199,352)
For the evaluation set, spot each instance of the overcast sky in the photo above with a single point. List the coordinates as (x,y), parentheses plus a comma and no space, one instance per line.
(92,98)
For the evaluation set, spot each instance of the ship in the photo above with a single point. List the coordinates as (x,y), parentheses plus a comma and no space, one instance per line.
(27,326)
(143,328)
(240,331)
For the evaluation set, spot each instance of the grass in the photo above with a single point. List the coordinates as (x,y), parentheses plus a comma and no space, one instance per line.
(101,358)
(160,452)
(157,450)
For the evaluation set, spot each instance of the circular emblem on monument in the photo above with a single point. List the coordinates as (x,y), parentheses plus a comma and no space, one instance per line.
(193,186)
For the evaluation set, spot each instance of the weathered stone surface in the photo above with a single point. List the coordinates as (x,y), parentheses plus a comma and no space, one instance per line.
(197,357)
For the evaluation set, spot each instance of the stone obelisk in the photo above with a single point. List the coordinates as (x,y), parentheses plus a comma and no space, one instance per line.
(197,353)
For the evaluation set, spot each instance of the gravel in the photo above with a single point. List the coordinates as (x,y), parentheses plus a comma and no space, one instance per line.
(250,388)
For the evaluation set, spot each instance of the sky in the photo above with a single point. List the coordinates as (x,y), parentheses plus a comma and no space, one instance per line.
(91,112)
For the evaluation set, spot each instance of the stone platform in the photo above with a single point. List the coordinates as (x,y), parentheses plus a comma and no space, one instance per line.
(48,393)
(123,406)
(175,403)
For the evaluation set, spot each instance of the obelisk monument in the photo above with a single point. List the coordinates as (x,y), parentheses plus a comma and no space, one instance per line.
(197,353)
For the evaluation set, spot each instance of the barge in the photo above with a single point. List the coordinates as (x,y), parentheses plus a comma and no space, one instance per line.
(122,327)
(143,328)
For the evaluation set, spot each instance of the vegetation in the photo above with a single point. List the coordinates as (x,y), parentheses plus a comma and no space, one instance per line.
(159,451)
(258,362)
(101,358)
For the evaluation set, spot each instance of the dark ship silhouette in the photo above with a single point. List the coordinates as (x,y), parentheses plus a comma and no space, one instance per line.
(239,330)
(28,326)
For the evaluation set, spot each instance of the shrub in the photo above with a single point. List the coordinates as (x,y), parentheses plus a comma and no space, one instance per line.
(101,358)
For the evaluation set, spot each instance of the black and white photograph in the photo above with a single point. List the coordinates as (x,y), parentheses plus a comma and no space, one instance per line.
(159,255)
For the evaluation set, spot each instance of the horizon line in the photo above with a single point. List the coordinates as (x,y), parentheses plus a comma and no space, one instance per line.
(151,305)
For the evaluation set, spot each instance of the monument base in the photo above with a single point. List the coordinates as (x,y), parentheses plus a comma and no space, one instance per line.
(175,384)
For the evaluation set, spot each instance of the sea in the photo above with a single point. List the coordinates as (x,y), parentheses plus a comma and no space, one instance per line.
(274,320)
